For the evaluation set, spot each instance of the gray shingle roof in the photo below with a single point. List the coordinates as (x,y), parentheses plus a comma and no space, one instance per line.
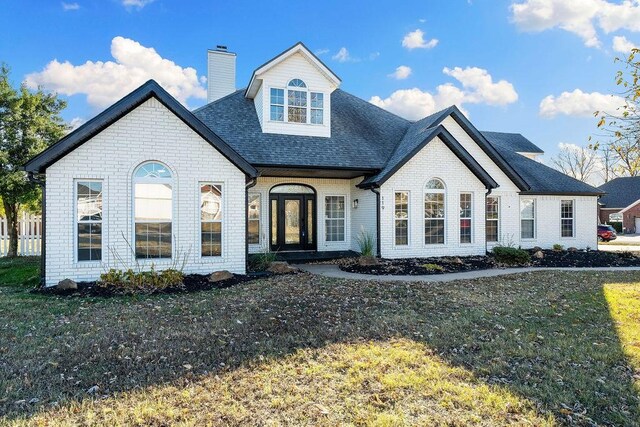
(512,141)
(363,136)
(541,178)
(621,192)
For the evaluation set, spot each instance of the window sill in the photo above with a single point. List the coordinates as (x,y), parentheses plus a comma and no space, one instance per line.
(296,123)
(87,264)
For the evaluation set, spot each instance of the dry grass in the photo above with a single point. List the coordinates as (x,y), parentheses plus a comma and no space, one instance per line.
(537,349)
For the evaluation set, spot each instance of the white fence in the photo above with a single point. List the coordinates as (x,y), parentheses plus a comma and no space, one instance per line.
(29,235)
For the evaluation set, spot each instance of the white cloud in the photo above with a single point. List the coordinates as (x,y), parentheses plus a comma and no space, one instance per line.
(401,73)
(75,123)
(136,3)
(622,45)
(581,17)
(579,103)
(477,88)
(320,52)
(70,6)
(373,56)
(415,40)
(342,55)
(106,82)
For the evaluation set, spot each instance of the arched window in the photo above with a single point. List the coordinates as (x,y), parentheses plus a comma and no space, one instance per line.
(153,210)
(297,101)
(434,212)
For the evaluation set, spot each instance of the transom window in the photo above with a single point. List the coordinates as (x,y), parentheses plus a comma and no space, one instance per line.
(528,218)
(492,218)
(210,219)
(566,218)
(434,212)
(153,210)
(89,217)
(465,217)
(301,105)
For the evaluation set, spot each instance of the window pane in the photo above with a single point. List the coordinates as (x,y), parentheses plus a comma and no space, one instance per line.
(527,229)
(153,170)
(211,202)
(434,231)
(317,100)
(492,208)
(310,221)
(297,98)
(153,202)
(89,200)
(566,215)
(401,214)
(317,116)
(297,83)
(277,96)
(492,219)
(435,184)
(89,242)
(465,218)
(527,219)
(334,214)
(277,113)
(297,115)
(153,239)
(211,239)
(527,209)
(253,213)
(492,230)
(274,222)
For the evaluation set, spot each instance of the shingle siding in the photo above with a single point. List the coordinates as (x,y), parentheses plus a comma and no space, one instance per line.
(150,132)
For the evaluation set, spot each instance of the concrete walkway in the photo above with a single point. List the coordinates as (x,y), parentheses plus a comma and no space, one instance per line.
(329,270)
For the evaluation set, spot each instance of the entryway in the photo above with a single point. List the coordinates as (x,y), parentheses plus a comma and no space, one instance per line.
(292,218)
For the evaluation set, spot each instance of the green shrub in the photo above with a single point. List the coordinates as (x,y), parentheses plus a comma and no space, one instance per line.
(558,247)
(130,281)
(366,242)
(261,261)
(511,256)
(433,267)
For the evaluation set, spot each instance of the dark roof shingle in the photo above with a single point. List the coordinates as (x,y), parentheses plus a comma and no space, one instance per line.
(621,192)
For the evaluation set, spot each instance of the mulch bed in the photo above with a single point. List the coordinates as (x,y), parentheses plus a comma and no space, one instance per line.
(192,283)
(424,266)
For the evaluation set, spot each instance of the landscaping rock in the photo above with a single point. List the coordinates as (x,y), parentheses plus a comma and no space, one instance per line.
(367,260)
(536,249)
(281,267)
(219,276)
(67,285)
(538,255)
(572,249)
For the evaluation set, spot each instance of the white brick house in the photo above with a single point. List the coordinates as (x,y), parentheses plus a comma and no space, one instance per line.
(291,163)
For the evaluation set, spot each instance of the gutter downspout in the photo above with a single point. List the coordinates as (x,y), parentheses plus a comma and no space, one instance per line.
(250,184)
(43,245)
(376,191)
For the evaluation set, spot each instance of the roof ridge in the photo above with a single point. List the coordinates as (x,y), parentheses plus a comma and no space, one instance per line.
(218,100)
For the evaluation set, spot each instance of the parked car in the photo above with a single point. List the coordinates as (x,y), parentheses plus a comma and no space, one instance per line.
(606,233)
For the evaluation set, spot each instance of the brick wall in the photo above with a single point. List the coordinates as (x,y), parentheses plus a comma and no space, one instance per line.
(150,132)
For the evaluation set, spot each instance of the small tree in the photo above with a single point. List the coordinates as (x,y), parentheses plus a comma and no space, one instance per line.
(608,162)
(622,127)
(29,122)
(577,162)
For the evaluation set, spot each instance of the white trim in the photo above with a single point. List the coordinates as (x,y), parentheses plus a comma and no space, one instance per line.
(253,87)
(445,219)
(285,105)
(535,218)
(223,249)
(470,218)
(408,244)
(623,210)
(573,219)
(328,242)
(173,182)
(93,262)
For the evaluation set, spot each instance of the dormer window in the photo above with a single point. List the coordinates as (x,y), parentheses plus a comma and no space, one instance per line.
(302,106)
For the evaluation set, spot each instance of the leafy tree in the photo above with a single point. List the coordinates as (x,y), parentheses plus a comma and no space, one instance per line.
(29,122)
(623,126)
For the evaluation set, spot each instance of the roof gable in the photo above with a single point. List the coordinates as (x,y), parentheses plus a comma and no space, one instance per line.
(414,141)
(298,48)
(150,89)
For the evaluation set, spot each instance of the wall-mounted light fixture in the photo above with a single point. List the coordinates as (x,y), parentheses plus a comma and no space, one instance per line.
(355,203)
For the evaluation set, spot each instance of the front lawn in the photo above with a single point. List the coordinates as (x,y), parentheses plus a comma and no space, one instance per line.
(542,348)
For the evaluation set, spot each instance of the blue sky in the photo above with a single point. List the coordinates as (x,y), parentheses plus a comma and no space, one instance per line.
(511,54)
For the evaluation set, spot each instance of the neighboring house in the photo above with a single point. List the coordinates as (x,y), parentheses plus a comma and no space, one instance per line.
(621,203)
(291,163)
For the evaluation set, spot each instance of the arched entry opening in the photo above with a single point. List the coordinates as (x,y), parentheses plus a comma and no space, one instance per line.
(292,218)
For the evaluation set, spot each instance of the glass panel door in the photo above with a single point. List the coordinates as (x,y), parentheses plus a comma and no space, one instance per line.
(292,221)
